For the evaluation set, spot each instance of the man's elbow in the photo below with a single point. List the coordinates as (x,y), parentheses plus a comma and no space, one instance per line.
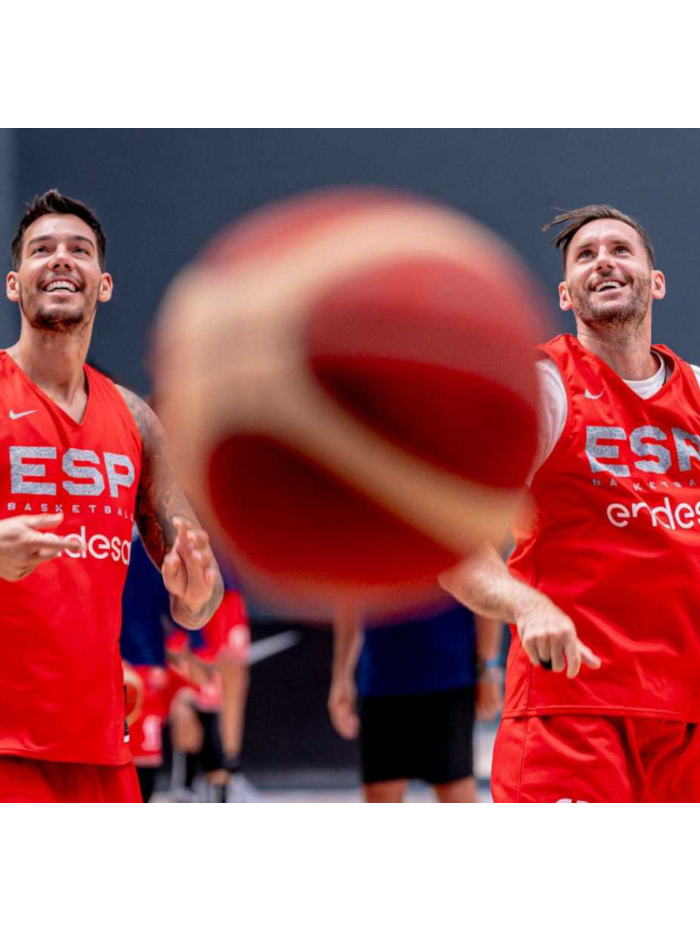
(452,580)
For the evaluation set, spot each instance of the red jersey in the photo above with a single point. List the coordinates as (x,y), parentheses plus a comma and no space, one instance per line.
(616,544)
(61,686)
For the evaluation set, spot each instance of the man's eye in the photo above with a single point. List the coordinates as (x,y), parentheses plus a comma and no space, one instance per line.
(79,249)
(586,254)
(622,249)
(39,249)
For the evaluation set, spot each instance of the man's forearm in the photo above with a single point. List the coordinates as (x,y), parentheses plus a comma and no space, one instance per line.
(347,640)
(486,586)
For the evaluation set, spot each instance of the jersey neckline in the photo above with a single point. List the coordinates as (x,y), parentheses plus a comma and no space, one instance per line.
(47,398)
(607,370)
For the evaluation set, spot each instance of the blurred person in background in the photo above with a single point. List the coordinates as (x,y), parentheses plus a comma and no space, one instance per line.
(207,719)
(410,690)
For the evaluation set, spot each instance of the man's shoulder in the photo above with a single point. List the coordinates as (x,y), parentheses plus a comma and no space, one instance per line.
(695,367)
(142,413)
(133,401)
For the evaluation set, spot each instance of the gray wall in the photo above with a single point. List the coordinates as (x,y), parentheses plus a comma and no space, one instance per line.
(8,189)
(161,193)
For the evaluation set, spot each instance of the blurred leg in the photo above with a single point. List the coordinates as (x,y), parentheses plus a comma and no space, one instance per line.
(385,791)
(234,694)
(462,791)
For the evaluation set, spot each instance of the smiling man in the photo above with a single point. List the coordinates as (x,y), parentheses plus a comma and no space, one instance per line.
(604,583)
(81,460)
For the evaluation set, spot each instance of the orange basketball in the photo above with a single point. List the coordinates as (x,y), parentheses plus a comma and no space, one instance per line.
(347,380)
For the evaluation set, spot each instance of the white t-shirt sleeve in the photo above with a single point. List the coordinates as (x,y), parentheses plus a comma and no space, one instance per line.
(696,370)
(553,410)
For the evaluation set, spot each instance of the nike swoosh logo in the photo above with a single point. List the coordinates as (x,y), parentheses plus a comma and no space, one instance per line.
(21,414)
(267,647)
(588,394)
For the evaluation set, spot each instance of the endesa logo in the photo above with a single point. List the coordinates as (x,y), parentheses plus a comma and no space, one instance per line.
(98,546)
(681,515)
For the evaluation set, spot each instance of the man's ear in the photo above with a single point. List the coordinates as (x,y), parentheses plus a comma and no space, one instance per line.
(658,284)
(564,297)
(106,287)
(12,286)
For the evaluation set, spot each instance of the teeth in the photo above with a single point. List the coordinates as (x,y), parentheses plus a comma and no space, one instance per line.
(60,286)
(603,285)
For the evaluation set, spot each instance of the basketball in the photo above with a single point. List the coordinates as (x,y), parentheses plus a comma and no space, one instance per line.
(347,380)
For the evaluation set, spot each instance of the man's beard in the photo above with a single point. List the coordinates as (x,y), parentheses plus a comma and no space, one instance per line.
(632,312)
(59,321)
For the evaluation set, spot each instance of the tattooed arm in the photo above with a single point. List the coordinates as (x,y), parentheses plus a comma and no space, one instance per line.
(174,539)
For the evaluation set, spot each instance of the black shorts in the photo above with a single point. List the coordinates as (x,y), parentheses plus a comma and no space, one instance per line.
(211,757)
(427,736)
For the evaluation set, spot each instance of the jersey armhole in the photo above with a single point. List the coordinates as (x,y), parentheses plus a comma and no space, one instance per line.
(696,382)
(547,357)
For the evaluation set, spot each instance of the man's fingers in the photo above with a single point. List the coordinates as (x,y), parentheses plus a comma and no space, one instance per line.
(353,727)
(573,657)
(588,658)
(544,650)
(197,537)
(557,656)
(171,561)
(41,521)
(54,543)
(531,651)
(347,724)
(182,526)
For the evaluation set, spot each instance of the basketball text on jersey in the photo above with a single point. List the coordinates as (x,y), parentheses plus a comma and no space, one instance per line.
(20,469)
(686,446)
(658,460)
(31,474)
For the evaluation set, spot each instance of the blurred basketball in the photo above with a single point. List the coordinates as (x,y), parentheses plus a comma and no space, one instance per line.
(347,380)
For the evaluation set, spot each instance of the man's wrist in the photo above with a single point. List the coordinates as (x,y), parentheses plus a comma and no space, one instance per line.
(487,667)
(192,616)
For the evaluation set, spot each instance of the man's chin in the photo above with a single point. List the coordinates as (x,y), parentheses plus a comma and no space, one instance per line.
(59,321)
(611,314)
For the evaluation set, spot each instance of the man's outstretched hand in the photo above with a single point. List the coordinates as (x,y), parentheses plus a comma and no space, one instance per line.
(549,637)
(189,568)
(27,541)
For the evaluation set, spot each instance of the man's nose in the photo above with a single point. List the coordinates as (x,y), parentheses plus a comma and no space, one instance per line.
(604,261)
(61,259)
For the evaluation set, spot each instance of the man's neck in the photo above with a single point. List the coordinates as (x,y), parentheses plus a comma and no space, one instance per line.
(54,362)
(628,352)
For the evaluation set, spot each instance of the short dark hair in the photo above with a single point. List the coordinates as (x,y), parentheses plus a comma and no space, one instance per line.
(53,202)
(581,216)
